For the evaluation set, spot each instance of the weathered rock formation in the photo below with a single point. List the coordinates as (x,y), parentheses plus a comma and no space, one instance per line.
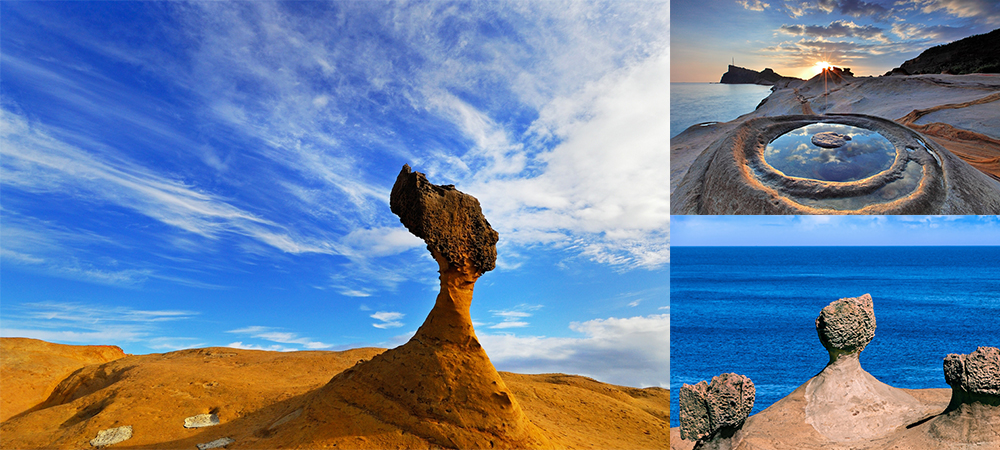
(732,175)
(974,377)
(844,402)
(846,408)
(974,54)
(712,413)
(955,115)
(741,75)
(441,385)
(972,418)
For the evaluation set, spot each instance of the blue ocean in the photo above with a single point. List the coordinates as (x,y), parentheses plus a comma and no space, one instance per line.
(752,311)
(692,103)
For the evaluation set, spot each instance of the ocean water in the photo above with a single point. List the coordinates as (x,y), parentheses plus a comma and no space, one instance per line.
(752,311)
(692,103)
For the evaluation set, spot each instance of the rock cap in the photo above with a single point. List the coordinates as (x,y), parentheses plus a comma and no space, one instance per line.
(449,221)
(846,326)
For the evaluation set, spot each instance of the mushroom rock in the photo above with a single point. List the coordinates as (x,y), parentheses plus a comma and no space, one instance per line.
(973,416)
(712,413)
(845,403)
(441,385)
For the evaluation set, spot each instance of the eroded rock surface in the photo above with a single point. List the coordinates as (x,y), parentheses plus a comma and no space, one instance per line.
(449,221)
(846,326)
(441,385)
(978,372)
(714,409)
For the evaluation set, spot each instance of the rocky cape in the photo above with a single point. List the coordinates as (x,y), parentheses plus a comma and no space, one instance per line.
(438,390)
(742,75)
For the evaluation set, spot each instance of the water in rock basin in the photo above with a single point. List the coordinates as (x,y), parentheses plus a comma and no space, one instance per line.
(864,154)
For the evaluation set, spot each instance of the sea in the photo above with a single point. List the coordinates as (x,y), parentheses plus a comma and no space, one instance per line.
(692,103)
(752,311)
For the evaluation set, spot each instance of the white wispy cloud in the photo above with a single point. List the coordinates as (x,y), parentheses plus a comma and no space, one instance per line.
(553,194)
(513,318)
(35,161)
(387,319)
(80,323)
(632,351)
(273,335)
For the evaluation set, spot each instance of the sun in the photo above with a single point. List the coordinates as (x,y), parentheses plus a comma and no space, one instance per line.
(822,65)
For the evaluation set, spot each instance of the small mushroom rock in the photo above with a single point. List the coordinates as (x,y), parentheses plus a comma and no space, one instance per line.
(714,411)
(974,377)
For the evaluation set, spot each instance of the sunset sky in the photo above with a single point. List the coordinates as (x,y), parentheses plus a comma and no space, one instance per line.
(201,174)
(791,36)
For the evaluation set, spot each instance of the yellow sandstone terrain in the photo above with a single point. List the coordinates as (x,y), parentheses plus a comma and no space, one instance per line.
(252,391)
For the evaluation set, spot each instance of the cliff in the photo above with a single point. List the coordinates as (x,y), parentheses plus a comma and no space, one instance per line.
(974,54)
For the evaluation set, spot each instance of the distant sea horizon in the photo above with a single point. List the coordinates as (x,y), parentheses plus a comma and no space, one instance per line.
(693,102)
(752,311)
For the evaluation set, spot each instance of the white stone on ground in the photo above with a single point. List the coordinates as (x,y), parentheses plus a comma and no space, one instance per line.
(201,420)
(112,436)
(220,442)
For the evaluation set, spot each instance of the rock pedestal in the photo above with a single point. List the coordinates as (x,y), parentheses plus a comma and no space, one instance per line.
(441,385)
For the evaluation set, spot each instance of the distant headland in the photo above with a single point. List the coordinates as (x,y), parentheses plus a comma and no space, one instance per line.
(742,75)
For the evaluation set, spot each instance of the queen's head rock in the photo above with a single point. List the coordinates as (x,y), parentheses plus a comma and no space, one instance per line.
(712,412)
(441,385)
(846,326)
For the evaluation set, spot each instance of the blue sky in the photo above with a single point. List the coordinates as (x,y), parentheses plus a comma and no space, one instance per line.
(181,175)
(791,36)
(738,231)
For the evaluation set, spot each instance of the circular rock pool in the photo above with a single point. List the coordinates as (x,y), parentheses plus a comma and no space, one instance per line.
(830,152)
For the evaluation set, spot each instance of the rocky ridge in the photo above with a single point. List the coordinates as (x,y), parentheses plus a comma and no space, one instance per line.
(974,54)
